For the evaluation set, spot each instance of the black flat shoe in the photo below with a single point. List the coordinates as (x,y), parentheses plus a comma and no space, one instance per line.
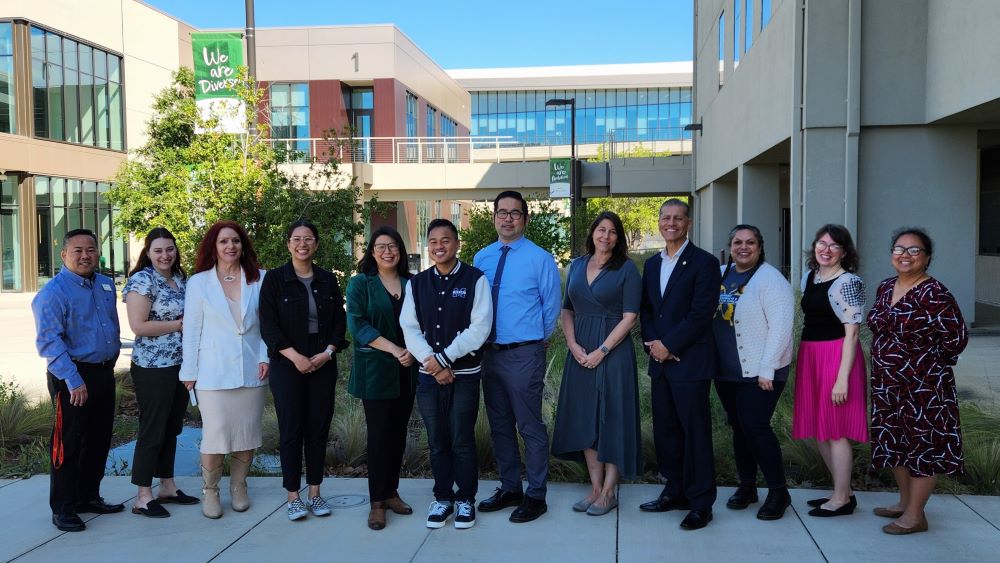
(744,496)
(821,501)
(179,498)
(824,513)
(153,510)
(68,522)
(529,510)
(663,504)
(775,504)
(696,519)
(500,500)
(98,506)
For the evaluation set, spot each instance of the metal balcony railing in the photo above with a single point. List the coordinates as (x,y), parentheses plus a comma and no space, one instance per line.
(620,143)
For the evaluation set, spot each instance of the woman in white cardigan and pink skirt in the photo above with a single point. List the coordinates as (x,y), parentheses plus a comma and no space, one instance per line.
(753,336)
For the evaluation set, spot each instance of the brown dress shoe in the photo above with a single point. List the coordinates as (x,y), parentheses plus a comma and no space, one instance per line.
(896,530)
(376,517)
(397,505)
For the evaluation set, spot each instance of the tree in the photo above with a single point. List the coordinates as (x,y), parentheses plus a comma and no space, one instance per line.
(185,181)
(639,215)
(547,227)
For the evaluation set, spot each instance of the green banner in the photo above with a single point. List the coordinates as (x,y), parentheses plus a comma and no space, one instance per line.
(559,177)
(216,59)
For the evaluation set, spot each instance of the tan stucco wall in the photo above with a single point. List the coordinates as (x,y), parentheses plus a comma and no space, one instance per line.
(383,51)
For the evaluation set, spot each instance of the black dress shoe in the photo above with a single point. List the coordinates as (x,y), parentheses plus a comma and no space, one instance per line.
(696,519)
(775,504)
(68,522)
(663,504)
(98,506)
(744,496)
(529,509)
(501,499)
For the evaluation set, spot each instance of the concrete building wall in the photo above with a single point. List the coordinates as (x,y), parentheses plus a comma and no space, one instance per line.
(751,113)
(926,177)
(358,55)
(962,55)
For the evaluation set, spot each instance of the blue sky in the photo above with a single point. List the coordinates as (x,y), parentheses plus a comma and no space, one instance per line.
(474,34)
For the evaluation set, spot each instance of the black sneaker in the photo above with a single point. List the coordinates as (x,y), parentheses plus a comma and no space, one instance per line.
(438,513)
(465,514)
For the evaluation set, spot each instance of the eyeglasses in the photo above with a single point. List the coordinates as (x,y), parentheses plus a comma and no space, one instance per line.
(822,245)
(911,250)
(383,247)
(514,215)
(300,240)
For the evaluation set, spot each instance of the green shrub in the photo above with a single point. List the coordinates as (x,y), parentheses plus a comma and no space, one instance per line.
(21,421)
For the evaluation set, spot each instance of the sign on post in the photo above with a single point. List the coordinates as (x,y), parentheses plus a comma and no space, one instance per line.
(217,58)
(560,175)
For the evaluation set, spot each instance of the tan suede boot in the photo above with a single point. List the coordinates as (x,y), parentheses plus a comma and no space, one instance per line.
(238,471)
(211,506)
(376,516)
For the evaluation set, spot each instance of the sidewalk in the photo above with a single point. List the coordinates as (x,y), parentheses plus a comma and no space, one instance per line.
(962,528)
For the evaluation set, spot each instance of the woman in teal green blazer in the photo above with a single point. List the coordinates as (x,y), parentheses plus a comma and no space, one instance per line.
(384,373)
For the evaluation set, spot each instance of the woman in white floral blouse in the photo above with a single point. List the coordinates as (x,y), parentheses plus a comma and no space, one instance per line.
(154,300)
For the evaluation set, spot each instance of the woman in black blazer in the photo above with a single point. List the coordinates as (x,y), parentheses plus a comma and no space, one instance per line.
(383,374)
(303,323)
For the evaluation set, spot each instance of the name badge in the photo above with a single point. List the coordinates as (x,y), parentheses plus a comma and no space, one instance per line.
(107,287)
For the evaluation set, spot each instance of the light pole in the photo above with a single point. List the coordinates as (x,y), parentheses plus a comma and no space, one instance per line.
(575,195)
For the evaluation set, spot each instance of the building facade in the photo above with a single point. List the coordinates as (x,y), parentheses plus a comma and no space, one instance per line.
(632,103)
(870,114)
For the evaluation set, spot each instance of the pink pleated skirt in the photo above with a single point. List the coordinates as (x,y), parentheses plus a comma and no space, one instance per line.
(815,415)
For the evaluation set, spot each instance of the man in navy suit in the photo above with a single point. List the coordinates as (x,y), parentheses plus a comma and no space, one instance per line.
(680,295)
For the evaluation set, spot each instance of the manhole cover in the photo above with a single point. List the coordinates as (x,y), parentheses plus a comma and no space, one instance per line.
(347,501)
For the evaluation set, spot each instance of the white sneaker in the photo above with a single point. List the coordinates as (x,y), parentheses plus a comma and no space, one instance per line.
(465,515)
(438,513)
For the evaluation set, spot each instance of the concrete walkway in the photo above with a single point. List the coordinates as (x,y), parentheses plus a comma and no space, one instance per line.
(963,528)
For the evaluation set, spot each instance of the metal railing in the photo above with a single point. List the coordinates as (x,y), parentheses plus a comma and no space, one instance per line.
(619,143)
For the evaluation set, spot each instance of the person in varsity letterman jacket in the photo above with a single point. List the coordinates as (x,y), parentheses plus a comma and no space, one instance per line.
(447,316)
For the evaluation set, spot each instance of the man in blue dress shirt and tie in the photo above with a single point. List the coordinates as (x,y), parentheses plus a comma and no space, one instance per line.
(525,287)
(78,335)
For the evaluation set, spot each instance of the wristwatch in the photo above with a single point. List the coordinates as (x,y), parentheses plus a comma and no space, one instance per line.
(329,352)
(604,350)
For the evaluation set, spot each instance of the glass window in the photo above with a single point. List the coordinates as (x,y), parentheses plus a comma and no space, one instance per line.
(290,118)
(737,26)
(8,115)
(748,30)
(765,13)
(76,90)
(722,48)
(10,235)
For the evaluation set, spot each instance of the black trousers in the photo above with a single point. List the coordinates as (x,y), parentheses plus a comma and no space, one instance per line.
(162,402)
(748,410)
(304,405)
(387,420)
(81,438)
(682,434)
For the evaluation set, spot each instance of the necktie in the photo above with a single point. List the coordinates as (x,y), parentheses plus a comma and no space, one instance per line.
(496,289)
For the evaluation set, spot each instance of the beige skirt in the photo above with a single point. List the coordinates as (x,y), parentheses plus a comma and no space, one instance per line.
(231,419)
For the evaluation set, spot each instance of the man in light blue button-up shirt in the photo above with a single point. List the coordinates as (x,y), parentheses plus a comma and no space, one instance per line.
(525,285)
(78,334)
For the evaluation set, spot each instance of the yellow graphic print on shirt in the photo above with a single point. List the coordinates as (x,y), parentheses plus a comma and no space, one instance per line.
(727,302)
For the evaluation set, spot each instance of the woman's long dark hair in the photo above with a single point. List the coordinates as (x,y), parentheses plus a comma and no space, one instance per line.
(619,253)
(143,261)
(760,244)
(841,236)
(367,263)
